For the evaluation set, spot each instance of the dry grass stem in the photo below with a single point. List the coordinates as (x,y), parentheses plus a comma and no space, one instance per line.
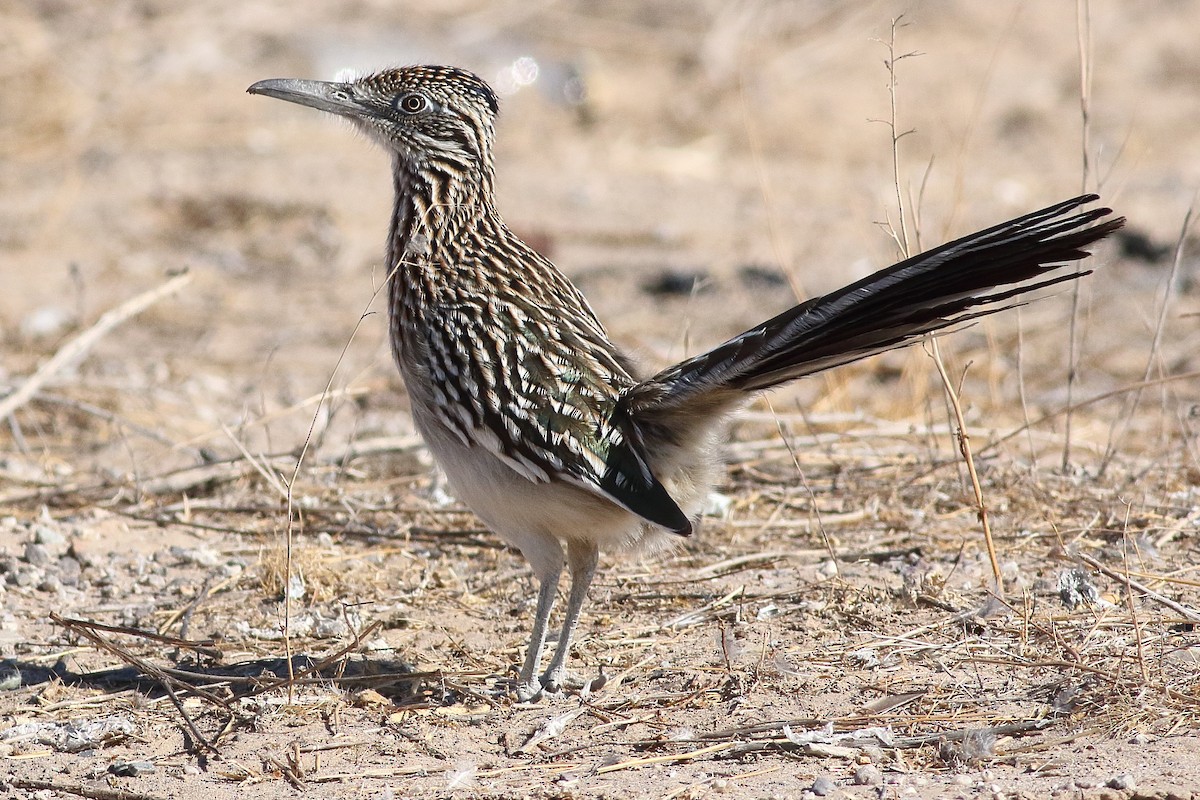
(78,347)
(964,448)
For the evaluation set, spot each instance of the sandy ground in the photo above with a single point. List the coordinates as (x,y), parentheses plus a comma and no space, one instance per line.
(819,635)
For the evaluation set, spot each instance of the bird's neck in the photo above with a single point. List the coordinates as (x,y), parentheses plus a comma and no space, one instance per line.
(437,214)
(435,207)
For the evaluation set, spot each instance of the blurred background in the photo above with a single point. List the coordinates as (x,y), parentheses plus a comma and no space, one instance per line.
(694,166)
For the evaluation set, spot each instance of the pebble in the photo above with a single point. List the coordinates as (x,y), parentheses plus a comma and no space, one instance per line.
(68,571)
(868,775)
(296,588)
(823,786)
(44,534)
(130,769)
(330,628)
(1125,782)
(25,576)
(44,322)
(874,753)
(10,677)
(84,558)
(153,581)
(36,554)
(200,556)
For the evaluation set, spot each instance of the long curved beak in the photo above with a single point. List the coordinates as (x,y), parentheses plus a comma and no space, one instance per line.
(336,98)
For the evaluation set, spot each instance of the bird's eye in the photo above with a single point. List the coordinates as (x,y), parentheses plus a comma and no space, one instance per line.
(412,103)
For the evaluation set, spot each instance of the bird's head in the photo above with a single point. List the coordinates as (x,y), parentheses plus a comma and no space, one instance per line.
(425,115)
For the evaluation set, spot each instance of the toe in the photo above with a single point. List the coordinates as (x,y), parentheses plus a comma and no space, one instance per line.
(553,680)
(528,692)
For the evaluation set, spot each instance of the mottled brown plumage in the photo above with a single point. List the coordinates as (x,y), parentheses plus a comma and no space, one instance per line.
(536,417)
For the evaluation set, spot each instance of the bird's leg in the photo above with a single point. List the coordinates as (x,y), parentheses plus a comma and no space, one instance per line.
(581,560)
(528,686)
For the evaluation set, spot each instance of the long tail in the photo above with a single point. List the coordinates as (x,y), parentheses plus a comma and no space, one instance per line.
(971,277)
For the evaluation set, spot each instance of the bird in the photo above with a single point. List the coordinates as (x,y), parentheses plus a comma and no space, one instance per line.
(547,430)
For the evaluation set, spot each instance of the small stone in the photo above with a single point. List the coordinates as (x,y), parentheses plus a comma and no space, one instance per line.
(130,769)
(84,558)
(295,588)
(10,677)
(50,584)
(36,554)
(154,581)
(874,753)
(200,556)
(369,698)
(330,629)
(69,571)
(1125,782)
(44,534)
(45,322)
(26,576)
(823,786)
(868,775)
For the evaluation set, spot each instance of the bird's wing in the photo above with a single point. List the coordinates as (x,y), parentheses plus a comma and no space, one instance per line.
(543,399)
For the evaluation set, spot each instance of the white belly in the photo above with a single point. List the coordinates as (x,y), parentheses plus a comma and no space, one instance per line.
(537,518)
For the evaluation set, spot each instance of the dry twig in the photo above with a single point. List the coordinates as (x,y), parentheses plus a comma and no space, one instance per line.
(78,347)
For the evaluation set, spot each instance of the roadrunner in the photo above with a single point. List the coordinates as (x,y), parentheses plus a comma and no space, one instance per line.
(542,425)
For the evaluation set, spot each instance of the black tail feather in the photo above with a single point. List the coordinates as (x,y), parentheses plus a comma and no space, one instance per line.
(940,288)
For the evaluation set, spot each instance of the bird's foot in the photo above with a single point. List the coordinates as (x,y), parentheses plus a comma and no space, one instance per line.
(552,683)
(553,680)
(529,691)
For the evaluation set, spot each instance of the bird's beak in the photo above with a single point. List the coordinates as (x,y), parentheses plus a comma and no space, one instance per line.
(336,98)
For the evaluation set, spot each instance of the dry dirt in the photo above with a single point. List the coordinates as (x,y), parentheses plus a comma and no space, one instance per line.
(819,635)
